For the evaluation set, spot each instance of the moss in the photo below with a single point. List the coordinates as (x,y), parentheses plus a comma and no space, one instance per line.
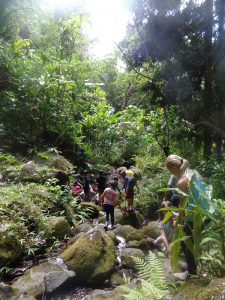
(198,289)
(10,246)
(56,227)
(91,256)
(135,235)
(151,229)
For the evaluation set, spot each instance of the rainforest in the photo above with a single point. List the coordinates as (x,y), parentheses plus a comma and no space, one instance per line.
(145,124)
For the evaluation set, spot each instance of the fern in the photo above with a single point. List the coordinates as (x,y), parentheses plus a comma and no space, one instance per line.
(152,284)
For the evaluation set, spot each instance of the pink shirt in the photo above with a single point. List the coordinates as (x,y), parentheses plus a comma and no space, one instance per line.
(110,196)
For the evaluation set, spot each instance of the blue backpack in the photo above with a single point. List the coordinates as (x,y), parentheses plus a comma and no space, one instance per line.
(198,191)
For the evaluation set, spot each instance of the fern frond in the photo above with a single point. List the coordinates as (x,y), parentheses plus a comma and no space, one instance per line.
(153,284)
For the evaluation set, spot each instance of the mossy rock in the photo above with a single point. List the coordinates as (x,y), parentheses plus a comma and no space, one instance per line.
(136,235)
(134,219)
(127,255)
(91,256)
(152,230)
(117,279)
(124,231)
(10,246)
(43,278)
(114,294)
(199,289)
(57,227)
(52,160)
(81,228)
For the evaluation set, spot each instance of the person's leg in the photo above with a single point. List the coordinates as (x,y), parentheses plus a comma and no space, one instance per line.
(132,202)
(112,215)
(107,211)
(190,259)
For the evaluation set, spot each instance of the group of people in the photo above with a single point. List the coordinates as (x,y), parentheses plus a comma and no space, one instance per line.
(107,192)
(109,196)
(87,187)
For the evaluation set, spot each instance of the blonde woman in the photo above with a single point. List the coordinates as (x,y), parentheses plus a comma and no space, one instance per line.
(179,167)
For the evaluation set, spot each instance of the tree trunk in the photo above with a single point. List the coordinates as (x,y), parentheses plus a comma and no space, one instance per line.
(208,97)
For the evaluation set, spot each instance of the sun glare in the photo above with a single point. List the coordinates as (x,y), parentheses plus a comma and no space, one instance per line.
(108,20)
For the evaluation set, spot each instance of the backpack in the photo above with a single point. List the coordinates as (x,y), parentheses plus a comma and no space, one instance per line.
(199,192)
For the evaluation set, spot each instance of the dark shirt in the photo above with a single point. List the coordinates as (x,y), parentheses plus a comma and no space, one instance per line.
(175,197)
(101,180)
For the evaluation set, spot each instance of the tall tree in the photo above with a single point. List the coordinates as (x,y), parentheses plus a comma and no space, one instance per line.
(179,41)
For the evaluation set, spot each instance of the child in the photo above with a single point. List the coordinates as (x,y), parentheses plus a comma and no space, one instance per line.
(109,200)
(129,192)
(166,229)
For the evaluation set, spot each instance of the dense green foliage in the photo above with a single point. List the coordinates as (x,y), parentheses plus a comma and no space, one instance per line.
(168,99)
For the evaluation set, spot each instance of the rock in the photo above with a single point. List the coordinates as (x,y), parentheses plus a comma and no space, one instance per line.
(117,279)
(124,231)
(152,230)
(53,160)
(91,256)
(200,289)
(10,245)
(133,219)
(57,227)
(42,279)
(29,172)
(7,292)
(55,279)
(81,228)
(126,256)
(115,294)
(135,235)
(60,163)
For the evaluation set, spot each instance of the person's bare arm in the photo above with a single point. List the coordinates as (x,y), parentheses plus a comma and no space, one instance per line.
(164,239)
(101,198)
(182,184)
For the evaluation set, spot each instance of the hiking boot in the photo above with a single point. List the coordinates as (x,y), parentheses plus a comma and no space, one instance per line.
(106,226)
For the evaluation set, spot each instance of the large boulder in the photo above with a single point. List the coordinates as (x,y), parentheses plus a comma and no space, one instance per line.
(91,256)
(41,279)
(134,219)
(128,232)
(151,229)
(53,160)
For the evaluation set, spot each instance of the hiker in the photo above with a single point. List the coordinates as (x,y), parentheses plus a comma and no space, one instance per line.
(77,190)
(109,200)
(101,180)
(179,167)
(62,180)
(124,178)
(93,188)
(129,191)
(166,228)
(86,185)
(172,196)
(116,179)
